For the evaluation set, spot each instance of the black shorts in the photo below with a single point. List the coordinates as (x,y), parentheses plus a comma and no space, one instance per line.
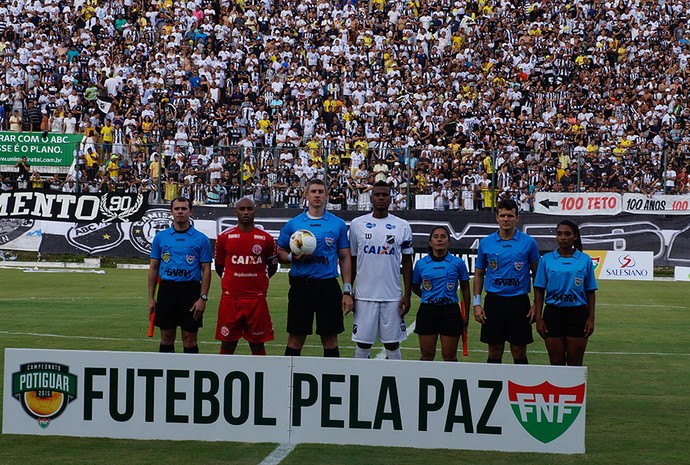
(321,297)
(175,300)
(445,320)
(506,320)
(565,321)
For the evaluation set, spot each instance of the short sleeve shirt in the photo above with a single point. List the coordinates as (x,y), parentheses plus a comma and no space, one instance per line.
(245,257)
(181,254)
(331,236)
(507,263)
(438,279)
(379,244)
(566,280)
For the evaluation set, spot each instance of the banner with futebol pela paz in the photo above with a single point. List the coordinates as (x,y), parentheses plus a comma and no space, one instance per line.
(39,148)
(519,408)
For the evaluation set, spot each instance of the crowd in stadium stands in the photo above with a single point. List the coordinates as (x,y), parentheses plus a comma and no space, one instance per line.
(456,99)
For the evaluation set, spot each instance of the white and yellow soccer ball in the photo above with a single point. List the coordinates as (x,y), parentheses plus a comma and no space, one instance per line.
(302,242)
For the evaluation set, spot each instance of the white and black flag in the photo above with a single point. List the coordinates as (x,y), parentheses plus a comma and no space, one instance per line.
(104,104)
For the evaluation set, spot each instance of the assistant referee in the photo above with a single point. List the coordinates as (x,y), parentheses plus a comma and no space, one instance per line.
(181,256)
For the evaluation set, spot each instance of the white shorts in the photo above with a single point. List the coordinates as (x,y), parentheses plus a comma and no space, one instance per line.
(383,317)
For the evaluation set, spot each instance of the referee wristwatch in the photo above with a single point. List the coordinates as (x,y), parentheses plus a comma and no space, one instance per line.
(204,297)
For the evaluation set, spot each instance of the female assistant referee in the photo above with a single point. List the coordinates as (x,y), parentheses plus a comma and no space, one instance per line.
(435,279)
(565,282)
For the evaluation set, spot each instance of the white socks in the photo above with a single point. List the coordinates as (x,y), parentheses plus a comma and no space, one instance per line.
(362,353)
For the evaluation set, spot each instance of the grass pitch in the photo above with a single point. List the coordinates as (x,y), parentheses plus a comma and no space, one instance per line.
(638,406)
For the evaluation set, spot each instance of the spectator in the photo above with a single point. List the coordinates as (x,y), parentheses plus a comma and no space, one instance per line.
(576,83)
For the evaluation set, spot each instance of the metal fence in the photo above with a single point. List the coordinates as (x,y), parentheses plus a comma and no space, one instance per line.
(457,178)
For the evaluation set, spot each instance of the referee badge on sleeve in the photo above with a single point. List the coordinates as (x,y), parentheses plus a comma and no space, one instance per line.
(450,286)
(427,284)
(578,281)
(493,264)
(518,265)
(190,259)
(166,257)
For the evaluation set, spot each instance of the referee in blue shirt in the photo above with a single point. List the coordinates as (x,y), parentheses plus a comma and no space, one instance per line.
(181,257)
(565,282)
(435,279)
(504,262)
(314,289)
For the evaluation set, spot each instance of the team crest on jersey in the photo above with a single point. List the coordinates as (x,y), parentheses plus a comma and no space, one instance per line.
(518,265)
(166,257)
(578,281)
(390,226)
(493,264)
(256,249)
(329,241)
(224,331)
(427,284)
(190,259)
(450,286)
(390,239)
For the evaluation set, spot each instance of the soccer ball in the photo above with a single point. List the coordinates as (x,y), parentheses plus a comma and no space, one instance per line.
(302,242)
(43,406)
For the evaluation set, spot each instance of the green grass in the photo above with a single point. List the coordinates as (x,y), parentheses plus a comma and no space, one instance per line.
(638,406)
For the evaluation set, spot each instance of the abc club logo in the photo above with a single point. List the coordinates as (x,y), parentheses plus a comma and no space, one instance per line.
(44,389)
(546,411)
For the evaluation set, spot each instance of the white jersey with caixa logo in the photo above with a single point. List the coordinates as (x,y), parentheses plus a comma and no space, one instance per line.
(379,244)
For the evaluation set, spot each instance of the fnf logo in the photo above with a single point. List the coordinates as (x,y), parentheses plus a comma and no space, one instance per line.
(546,411)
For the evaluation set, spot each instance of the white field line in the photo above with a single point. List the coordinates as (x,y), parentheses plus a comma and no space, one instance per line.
(283,450)
(71,298)
(278,454)
(410,330)
(313,346)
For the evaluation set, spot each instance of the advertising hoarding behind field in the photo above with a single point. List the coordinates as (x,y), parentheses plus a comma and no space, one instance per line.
(40,149)
(48,231)
(295,400)
(622,265)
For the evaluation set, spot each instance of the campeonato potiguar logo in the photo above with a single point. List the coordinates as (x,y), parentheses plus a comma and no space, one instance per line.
(546,411)
(44,390)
